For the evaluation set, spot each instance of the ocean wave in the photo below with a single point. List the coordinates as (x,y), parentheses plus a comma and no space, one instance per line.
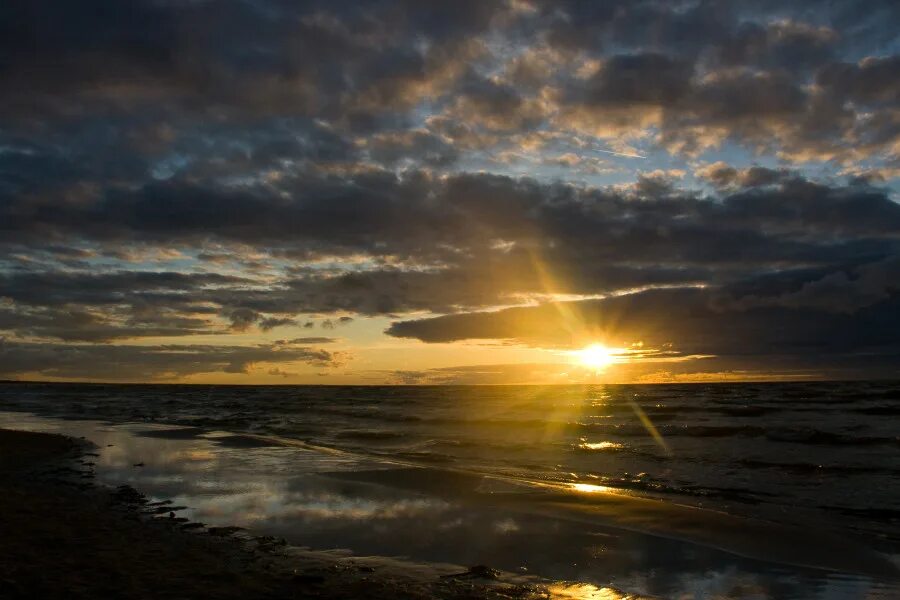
(878,410)
(373,435)
(812,468)
(826,438)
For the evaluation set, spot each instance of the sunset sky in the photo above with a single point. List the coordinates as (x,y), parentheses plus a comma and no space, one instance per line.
(270,191)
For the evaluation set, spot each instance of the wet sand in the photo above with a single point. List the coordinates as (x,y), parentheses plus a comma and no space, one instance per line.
(553,540)
(65,537)
(597,506)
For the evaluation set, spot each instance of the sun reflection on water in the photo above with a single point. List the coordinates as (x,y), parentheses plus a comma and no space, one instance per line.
(600,446)
(586,591)
(592,488)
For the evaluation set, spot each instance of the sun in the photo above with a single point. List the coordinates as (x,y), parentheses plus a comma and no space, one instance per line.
(595,356)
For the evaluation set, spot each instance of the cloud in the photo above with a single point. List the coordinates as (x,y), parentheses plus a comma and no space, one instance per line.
(242,318)
(303,56)
(308,340)
(774,85)
(840,291)
(414,146)
(479,241)
(97,325)
(638,79)
(171,169)
(793,45)
(871,81)
(691,322)
(483,374)
(279,373)
(273,322)
(723,175)
(143,363)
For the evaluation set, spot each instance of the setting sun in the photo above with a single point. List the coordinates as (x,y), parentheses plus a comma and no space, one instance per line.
(595,356)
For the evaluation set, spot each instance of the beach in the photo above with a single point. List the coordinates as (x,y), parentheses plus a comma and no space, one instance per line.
(64,537)
(284,492)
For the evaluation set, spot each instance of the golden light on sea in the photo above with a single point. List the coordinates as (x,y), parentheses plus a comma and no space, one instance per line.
(585,591)
(590,488)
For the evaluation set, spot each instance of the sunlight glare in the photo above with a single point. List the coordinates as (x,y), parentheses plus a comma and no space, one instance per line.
(585,591)
(591,488)
(596,356)
(600,446)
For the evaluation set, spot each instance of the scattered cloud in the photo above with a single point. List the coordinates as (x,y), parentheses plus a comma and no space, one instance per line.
(123,362)
(448,167)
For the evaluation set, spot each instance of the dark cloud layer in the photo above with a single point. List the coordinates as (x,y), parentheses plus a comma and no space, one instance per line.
(137,363)
(799,329)
(186,168)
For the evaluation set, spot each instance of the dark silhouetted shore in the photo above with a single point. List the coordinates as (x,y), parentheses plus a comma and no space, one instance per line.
(64,537)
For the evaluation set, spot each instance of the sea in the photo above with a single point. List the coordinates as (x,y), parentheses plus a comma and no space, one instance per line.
(710,484)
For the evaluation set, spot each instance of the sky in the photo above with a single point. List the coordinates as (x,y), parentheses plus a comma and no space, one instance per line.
(466,191)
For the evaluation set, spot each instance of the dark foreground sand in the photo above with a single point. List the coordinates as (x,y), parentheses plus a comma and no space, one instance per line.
(61,536)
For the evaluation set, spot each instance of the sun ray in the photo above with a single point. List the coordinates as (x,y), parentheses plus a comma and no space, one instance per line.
(649,426)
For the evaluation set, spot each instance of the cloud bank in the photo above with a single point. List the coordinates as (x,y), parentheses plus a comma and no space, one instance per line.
(715,178)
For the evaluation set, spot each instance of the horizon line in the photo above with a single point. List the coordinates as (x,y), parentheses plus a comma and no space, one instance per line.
(717,382)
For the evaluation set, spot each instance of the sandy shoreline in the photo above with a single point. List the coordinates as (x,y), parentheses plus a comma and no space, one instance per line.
(72,527)
(65,537)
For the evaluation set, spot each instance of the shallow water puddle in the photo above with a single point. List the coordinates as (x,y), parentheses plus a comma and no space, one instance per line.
(325,500)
